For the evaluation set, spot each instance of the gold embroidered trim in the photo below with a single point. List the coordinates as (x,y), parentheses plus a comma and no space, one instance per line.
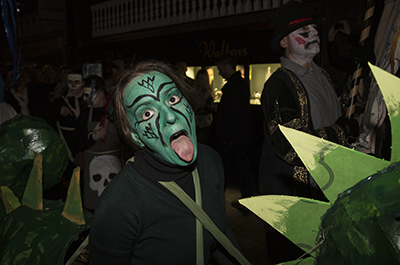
(295,124)
(303,103)
(301,93)
(300,174)
(322,133)
(290,156)
(272,126)
(340,134)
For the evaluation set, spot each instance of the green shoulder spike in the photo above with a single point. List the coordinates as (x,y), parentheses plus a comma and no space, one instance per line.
(73,209)
(33,195)
(10,201)
(389,85)
(328,162)
(277,211)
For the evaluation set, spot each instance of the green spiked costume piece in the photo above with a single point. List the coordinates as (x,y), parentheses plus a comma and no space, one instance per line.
(40,231)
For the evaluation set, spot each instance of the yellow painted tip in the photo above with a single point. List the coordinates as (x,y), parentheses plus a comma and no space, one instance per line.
(10,201)
(33,195)
(73,209)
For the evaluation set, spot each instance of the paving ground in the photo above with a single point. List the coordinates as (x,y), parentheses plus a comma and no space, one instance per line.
(248,228)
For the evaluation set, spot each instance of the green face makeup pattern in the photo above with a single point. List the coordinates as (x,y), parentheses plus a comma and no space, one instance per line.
(161,118)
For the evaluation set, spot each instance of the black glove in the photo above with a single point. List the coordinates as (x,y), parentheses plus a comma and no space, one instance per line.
(350,126)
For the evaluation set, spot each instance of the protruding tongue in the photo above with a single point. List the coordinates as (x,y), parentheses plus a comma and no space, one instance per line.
(183,147)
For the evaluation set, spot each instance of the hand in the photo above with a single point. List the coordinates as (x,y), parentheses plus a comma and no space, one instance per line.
(99,132)
(65,111)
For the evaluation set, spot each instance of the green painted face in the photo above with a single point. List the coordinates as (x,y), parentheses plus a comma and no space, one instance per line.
(161,118)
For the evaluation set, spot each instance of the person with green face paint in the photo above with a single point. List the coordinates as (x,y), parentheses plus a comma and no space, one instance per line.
(162,118)
(143,215)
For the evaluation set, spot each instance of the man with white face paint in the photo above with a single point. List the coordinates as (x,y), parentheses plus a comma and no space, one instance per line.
(64,114)
(299,95)
(140,218)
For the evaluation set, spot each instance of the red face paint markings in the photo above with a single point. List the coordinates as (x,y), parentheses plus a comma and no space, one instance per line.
(300,40)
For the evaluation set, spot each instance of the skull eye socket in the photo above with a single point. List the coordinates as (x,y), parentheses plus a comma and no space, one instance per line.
(97,177)
(112,175)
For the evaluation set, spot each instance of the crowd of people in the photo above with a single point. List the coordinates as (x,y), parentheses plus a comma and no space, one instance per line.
(151,126)
(76,103)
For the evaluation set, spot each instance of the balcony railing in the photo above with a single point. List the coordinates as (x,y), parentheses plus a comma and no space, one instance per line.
(120,16)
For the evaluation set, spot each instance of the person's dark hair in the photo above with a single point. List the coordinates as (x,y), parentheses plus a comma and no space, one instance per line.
(227,60)
(99,84)
(96,85)
(127,76)
(75,72)
(202,82)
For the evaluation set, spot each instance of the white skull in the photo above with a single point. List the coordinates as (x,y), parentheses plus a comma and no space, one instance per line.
(102,170)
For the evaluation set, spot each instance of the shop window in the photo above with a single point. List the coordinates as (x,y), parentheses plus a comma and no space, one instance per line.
(259,73)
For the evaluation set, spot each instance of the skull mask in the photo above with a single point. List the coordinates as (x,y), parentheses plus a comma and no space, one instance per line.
(102,170)
(74,83)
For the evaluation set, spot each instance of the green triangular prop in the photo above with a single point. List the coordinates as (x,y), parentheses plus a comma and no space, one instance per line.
(33,195)
(390,88)
(334,167)
(283,212)
(73,209)
(10,201)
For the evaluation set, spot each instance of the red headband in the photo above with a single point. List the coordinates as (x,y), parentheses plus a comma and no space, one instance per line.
(298,21)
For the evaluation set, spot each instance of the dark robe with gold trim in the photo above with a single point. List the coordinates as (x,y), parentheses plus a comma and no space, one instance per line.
(285,101)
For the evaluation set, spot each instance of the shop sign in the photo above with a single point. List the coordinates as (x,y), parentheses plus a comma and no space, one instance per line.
(211,49)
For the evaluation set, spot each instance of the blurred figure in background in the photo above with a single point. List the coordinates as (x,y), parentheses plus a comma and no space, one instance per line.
(61,86)
(6,110)
(205,105)
(42,92)
(64,113)
(16,94)
(181,68)
(233,126)
(96,136)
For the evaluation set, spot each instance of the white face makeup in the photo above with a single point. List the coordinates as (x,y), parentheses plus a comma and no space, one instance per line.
(74,81)
(304,41)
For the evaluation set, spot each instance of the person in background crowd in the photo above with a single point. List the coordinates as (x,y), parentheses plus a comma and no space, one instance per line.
(112,73)
(64,113)
(17,94)
(97,138)
(347,62)
(6,110)
(181,68)
(299,95)
(205,106)
(42,92)
(61,86)
(233,126)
